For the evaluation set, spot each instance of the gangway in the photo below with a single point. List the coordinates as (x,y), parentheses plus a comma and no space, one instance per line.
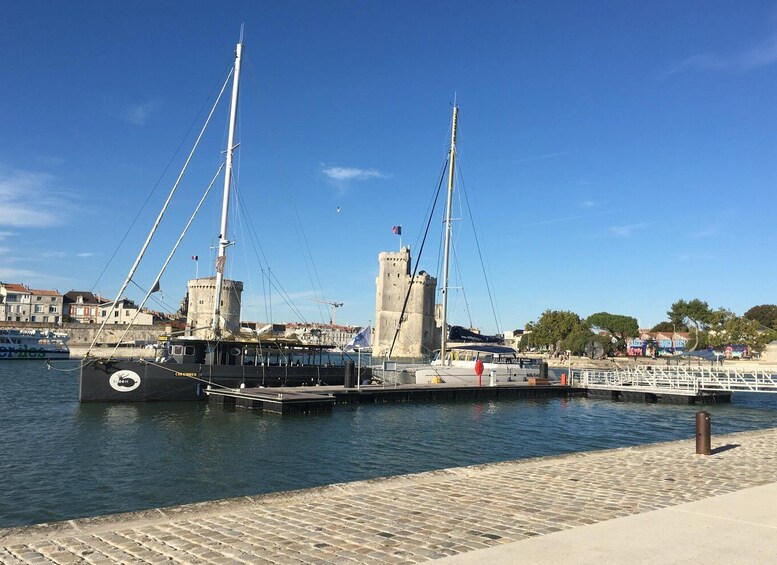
(679,379)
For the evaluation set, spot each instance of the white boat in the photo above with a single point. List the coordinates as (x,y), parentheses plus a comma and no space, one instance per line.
(457,364)
(33,344)
(499,364)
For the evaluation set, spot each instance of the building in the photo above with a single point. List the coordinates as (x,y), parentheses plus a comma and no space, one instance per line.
(84,307)
(325,334)
(659,343)
(14,303)
(418,332)
(46,306)
(126,312)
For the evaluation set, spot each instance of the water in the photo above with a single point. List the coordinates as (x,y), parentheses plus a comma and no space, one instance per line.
(60,459)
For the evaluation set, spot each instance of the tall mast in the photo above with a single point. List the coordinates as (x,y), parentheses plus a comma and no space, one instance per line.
(221,259)
(446,255)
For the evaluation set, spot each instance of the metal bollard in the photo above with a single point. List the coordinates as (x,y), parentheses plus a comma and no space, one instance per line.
(703,426)
(349,378)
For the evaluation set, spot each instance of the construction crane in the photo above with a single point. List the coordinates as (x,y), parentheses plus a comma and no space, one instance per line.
(334,305)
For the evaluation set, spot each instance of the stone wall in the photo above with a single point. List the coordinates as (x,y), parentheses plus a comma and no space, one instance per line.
(83,334)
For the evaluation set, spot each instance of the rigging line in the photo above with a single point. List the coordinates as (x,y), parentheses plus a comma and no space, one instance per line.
(169,258)
(307,255)
(418,261)
(480,254)
(463,293)
(158,182)
(159,217)
(279,287)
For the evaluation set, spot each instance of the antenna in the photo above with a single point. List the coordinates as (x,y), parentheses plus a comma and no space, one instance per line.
(242,27)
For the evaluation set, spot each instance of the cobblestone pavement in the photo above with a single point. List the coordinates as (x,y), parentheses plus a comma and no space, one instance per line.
(412,518)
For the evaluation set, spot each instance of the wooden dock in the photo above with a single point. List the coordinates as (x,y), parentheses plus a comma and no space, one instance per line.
(308,400)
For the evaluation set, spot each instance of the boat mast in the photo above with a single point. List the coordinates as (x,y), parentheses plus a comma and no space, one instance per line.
(221,259)
(446,255)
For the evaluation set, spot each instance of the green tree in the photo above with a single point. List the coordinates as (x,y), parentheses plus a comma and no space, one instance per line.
(765,314)
(666,327)
(553,327)
(733,330)
(694,311)
(619,326)
(576,341)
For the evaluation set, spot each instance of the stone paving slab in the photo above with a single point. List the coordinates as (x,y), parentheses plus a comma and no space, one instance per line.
(411,518)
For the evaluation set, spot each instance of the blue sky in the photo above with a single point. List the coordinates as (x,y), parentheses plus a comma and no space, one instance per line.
(617,156)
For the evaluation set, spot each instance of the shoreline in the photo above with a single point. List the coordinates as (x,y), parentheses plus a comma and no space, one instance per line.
(411,518)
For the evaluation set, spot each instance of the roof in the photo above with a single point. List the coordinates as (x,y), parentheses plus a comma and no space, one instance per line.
(89,298)
(44,292)
(16,287)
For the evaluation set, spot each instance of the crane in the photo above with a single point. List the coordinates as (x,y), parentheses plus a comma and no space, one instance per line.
(334,305)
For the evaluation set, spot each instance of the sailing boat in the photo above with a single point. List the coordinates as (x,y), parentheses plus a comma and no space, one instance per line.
(459,363)
(215,356)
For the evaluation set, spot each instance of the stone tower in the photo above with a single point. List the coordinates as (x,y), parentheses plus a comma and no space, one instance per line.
(418,334)
(200,312)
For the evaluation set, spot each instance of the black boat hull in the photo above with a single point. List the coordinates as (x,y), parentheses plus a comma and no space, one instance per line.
(140,381)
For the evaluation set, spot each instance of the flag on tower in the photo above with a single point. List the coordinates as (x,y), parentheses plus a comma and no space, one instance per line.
(195,257)
(397,230)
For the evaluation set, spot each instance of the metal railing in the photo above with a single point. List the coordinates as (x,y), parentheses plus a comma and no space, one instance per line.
(677,378)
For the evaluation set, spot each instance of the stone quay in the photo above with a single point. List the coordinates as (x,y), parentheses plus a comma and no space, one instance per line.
(492,512)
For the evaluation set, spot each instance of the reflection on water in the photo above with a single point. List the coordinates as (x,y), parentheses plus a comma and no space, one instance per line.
(60,459)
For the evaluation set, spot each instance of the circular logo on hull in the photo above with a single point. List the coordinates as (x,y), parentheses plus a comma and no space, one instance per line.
(124,380)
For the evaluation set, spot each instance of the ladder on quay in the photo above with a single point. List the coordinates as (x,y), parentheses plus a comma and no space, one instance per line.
(679,379)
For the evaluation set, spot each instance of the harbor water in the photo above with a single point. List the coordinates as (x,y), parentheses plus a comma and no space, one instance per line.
(60,459)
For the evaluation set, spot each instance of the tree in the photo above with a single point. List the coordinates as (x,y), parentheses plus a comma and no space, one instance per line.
(733,330)
(765,314)
(617,325)
(553,327)
(694,311)
(665,327)
(577,341)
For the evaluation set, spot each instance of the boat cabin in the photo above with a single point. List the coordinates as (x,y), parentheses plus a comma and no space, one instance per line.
(203,352)
(497,354)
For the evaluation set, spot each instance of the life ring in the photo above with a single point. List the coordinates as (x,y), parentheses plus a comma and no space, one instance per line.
(234,352)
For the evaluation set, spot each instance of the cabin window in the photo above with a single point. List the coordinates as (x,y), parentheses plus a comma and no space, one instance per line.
(178,350)
(188,350)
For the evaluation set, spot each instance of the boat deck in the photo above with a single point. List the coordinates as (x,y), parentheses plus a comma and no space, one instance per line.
(306,400)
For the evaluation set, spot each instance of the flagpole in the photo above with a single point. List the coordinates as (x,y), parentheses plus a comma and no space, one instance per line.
(359,367)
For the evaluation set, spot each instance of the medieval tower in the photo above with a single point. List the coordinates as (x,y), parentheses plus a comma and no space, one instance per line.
(418,334)
(199,316)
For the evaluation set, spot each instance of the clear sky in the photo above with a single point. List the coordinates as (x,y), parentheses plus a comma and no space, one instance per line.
(617,156)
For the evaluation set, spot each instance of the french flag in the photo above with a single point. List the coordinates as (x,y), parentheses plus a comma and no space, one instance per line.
(397,230)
